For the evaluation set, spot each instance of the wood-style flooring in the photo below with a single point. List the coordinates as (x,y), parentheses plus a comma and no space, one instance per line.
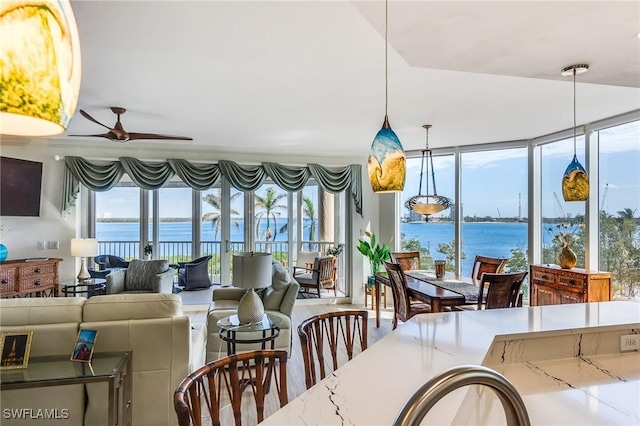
(295,367)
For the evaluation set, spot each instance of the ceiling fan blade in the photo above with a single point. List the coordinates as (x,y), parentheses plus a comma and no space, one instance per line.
(90,118)
(133,136)
(103,135)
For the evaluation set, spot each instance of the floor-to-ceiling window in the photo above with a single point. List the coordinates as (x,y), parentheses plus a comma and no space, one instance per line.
(434,236)
(175,220)
(619,207)
(494,199)
(117,220)
(558,216)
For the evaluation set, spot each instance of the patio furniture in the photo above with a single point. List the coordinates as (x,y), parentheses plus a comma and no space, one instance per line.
(321,276)
(194,275)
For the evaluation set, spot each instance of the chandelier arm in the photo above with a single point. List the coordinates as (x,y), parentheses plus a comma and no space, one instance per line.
(421,172)
(433,174)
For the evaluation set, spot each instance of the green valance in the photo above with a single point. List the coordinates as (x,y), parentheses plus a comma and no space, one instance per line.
(102,176)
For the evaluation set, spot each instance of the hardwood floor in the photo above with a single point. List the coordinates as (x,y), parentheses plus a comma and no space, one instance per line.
(295,367)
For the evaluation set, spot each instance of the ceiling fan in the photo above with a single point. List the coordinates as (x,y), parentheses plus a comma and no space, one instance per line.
(118,134)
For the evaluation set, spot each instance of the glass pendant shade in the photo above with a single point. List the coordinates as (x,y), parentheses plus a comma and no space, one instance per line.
(575,182)
(387,161)
(41,67)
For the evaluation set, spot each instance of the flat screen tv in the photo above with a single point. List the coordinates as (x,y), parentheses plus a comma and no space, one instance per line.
(20,186)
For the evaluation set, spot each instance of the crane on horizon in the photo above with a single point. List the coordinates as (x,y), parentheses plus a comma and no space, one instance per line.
(564,214)
(604,196)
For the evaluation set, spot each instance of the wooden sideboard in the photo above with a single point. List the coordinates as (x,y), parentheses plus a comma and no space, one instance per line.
(22,278)
(551,285)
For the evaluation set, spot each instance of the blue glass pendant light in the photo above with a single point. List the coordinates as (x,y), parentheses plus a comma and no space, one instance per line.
(387,161)
(575,181)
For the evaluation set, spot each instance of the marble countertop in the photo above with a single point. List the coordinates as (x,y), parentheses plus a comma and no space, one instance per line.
(564,357)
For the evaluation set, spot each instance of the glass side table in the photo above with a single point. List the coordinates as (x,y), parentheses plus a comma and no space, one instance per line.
(232,332)
(113,368)
(87,288)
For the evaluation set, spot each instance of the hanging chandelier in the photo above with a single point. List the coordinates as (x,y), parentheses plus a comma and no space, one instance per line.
(427,204)
(575,181)
(387,161)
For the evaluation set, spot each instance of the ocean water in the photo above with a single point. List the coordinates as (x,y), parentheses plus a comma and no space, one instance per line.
(494,239)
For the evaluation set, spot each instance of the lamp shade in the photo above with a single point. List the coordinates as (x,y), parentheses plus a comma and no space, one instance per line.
(40,79)
(84,247)
(387,161)
(252,270)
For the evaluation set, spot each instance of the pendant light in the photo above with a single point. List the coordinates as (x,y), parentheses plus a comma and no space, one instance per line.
(427,204)
(387,161)
(575,181)
(40,53)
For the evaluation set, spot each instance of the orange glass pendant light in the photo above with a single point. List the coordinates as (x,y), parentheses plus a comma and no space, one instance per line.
(387,161)
(575,181)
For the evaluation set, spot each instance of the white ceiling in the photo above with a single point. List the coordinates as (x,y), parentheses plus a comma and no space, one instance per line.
(307,77)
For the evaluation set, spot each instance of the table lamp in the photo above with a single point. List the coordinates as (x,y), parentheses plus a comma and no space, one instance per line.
(83,248)
(251,270)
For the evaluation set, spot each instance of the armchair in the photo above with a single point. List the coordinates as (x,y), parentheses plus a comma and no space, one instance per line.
(107,263)
(142,276)
(194,275)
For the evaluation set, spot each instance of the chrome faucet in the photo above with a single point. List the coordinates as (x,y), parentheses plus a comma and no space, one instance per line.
(431,392)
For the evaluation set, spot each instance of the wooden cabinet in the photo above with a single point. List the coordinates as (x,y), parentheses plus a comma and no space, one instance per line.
(19,278)
(551,285)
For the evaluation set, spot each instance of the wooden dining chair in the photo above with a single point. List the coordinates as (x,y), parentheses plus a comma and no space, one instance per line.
(222,382)
(329,340)
(407,259)
(488,265)
(502,291)
(403,307)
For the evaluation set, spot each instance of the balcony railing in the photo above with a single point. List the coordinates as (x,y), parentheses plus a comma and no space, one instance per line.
(182,251)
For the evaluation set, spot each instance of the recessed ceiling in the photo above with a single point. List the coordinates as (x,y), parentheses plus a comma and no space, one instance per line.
(306,78)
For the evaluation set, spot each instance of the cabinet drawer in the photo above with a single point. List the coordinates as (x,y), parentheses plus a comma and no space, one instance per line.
(35,283)
(572,281)
(542,276)
(36,270)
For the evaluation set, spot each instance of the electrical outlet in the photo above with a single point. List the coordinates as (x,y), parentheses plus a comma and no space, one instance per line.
(629,342)
(41,245)
(53,245)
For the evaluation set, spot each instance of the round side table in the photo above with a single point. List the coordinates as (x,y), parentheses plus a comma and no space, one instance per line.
(231,331)
(88,288)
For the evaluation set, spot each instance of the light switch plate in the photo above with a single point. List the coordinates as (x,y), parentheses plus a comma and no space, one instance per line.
(41,245)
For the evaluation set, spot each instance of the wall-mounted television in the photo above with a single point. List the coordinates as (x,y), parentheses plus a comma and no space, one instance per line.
(20,187)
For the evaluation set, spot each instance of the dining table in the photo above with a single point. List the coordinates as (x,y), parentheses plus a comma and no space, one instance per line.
(451,290)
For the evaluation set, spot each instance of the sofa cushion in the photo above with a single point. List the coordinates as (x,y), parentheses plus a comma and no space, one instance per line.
(142,274)
(45,310)
(132,306)
(272,296)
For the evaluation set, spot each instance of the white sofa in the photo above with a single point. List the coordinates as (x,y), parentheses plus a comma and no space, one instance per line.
(151,325)
(278,300)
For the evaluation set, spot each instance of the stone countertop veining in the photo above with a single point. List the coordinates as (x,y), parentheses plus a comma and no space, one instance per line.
(577,340)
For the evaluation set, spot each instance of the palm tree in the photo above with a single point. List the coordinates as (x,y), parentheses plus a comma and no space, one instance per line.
(269,206)
(215,201)
(309,211)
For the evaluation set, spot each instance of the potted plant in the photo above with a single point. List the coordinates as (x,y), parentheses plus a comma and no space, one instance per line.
(148,251)
(376,253)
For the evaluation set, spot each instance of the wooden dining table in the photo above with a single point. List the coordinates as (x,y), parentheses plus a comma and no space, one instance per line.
(424,287)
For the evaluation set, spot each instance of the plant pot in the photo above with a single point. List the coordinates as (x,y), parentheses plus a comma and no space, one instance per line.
(566,258)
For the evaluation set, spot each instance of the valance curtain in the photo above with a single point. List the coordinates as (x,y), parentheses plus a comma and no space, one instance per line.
(153,175)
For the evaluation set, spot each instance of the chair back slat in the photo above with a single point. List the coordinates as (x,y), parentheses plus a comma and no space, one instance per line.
(223,382)
(407,259)
(503,290)
(323,336)
(487,265)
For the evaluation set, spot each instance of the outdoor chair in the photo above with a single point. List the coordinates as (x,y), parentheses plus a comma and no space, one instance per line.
(194,275)
(304,261)
(206,391)
(403,307)
(321,276)
(333,335)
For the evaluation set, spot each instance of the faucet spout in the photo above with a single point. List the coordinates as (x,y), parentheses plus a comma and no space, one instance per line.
(432,391)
